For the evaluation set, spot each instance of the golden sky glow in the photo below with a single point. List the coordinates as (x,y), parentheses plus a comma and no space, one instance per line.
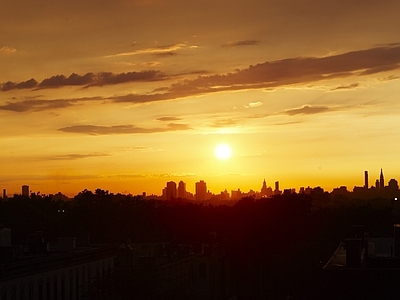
(127,95)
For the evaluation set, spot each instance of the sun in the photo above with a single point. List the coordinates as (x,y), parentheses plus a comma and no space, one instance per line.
(223,151)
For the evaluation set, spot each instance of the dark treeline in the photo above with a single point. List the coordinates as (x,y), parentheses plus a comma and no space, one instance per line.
(278,245)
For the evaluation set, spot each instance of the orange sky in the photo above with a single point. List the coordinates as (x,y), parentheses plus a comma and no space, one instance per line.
(127,95)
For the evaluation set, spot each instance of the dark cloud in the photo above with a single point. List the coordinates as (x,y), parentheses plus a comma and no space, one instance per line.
(265,75)
(40,105)
(297,70)
(242,43)
(87,80)
(165,54)
(75,156)
(29,84)
(307,110)
(101,79)
(225,123)
(346,87)
(121,129)
(287,123)
(168,119)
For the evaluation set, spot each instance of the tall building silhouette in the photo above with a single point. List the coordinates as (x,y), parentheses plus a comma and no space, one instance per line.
(170,190)
(381,180)
(181,189)
(264,188)
(201,190)
(25,190)
(366,185)
(277,191)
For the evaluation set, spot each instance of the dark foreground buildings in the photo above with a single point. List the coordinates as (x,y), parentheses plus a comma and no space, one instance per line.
(365,268)
(75,269)
(174,271)
(62,271)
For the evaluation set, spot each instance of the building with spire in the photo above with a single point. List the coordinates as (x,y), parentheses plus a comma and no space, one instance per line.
(265,191)
(381,180)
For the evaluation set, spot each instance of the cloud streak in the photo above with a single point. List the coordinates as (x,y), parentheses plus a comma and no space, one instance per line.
(87,80)
(41,105)
(154,50)
(75,156)
(279,73)
(241,43)
(274,74)
(7,50)
(307,110)
(121,129)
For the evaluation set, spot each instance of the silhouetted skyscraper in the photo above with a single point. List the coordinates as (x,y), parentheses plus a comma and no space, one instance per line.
(201,190)
(25,190)
(381,180)
(277,191)
(264,189)
(366,179)
(393,184)
(170,191)
(181,189)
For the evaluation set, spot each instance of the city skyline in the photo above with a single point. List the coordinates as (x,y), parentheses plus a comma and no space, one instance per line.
(128,95)
(200,192)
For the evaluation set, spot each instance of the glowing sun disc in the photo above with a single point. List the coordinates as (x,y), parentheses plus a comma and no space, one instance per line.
(223,151)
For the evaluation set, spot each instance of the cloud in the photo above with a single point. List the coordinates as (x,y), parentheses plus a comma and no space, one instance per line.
(40,104)
(141,149)
(29,84)
(253,104)
(166,54)
(273,74)
(307,110)
(7,50)
(101,79)
(121,129)
(75,156)
(168,119)
(287,123)
(242,43)
(346,87)
(87,80)
(225,123)
(153,50)
(291,71)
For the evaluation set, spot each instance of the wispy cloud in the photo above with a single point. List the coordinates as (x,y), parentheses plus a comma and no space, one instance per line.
(242,43)
(168,119)
(225,123)
(307,110)
(253,104)
(29,84)
(291,71)
(346,87)
(279,73)
(153,50)
(7,50)
(75,156)
(40,104)
(121,129)
(87,80)
(166,54)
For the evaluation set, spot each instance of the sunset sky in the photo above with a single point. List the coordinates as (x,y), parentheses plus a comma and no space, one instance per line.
(126,95)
